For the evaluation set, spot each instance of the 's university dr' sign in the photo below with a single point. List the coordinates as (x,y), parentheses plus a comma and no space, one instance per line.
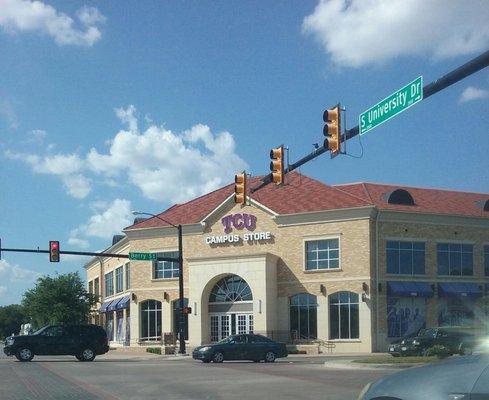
(391,105)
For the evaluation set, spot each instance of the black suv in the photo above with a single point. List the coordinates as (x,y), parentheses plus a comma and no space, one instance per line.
(82,341)
(457,340)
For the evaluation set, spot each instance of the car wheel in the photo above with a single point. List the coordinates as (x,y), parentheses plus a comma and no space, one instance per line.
(466,351)
(218,357)
(270,357)
(24,354)
(87,354)
(79,357)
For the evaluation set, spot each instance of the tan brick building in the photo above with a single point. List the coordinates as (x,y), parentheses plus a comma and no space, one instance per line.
(356,265)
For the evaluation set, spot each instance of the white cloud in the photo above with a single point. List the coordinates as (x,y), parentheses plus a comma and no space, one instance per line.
(66,166)
(79,243)
(36,136)
(167,166)
(8,113)
(356,33)
(473,93)
(104,224)
(27,15)
(3,290)
(15,273)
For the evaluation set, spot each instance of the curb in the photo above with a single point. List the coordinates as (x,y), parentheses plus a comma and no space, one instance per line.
(351,365)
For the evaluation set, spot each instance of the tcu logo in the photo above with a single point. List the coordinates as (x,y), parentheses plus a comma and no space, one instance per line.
(239,221)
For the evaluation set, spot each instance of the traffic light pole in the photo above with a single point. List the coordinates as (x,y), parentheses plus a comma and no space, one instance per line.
(445,81)
(181,331)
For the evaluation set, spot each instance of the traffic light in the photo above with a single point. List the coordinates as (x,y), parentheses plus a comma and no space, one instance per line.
(187,310)
(240,188)
(332,130)
(277,165)
(53,251)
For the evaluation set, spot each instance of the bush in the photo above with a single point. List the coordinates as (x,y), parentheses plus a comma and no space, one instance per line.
(154,350)
(438,350)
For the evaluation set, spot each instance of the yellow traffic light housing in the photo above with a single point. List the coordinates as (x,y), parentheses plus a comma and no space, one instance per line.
(240,188)
(277,165)
(332,130)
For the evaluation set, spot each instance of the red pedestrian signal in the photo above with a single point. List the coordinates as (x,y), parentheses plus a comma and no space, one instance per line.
(53,251)
(187,310)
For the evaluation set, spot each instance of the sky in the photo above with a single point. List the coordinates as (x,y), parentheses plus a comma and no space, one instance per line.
(108,107)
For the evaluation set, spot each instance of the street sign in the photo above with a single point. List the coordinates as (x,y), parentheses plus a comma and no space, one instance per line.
(392,105)
(142,256)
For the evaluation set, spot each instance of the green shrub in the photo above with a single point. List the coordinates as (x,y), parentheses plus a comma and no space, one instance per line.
(154,350)
(438,350)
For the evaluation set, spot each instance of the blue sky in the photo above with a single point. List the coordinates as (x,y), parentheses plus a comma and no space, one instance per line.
(107,107)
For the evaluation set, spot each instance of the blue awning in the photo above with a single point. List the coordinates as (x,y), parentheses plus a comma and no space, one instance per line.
(459,289)
(123,302)
(111,306)
(409,289)
(104,306)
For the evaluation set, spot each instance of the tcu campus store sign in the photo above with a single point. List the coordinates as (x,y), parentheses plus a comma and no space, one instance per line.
(239,222)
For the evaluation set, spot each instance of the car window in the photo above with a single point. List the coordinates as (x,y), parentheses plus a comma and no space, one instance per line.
(54,331)
(429,333)
(258,339)
(240,339)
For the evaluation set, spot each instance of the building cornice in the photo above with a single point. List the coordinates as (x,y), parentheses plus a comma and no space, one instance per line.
(317,217)
(164,231)
(432,219)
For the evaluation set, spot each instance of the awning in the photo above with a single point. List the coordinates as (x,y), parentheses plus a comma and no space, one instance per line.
(409,289)
(103,307)
(123,302)
(459,289)
(111,306)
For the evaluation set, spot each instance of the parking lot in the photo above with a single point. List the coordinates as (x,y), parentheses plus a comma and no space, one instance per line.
(126,376)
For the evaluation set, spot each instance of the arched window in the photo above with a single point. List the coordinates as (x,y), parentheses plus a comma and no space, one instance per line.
(150,320)
(230,289)
(402,197)
(343,316)
(176,318)
(303,316)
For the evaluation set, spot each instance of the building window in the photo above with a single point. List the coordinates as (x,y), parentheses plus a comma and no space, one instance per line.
(230,289)
(176,318)
(119,287)
(343,316)
(455,259)
(166,269)
(303,316)
(456,312)
(486,259)
(322,254)
(151,320)
(109,284)
(405,315)
(405,257)
(128,276)
(90,287)
(96,287)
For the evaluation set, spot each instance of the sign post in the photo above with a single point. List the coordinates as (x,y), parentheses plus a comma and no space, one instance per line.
(392,105)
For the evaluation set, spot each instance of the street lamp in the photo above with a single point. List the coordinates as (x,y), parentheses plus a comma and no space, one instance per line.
(181,333)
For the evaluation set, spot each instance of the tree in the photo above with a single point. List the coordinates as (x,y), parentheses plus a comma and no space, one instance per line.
(59,299)
(11,318)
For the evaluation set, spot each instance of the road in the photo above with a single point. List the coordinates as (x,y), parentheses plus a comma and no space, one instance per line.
(116,376)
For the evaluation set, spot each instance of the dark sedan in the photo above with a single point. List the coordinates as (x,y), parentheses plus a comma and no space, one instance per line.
(241,347)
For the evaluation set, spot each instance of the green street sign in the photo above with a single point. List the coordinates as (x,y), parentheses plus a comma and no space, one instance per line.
(392,105)
(142,256)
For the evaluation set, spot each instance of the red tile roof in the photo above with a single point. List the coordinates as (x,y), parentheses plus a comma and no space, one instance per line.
(302,194)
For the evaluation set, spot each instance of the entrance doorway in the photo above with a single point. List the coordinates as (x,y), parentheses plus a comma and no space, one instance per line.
(225,324)
(230,308)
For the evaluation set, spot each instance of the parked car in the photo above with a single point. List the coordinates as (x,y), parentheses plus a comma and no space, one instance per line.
(394,347)
(460,378)
(455,339)
(82,341)
(241,347)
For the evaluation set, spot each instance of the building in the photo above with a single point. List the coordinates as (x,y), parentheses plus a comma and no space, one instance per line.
(356,265)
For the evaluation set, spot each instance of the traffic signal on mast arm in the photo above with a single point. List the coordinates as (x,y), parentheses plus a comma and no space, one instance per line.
(53,251)
(240,184)
(277,165)
(332,130)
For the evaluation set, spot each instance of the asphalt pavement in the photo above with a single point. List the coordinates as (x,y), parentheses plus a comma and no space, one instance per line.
(141,377)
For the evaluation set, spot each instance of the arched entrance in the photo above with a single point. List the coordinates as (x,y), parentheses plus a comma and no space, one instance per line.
(230,308)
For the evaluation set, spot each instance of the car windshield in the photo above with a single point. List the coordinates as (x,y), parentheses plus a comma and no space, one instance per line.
(39,331)
(226,340)
(428,333)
